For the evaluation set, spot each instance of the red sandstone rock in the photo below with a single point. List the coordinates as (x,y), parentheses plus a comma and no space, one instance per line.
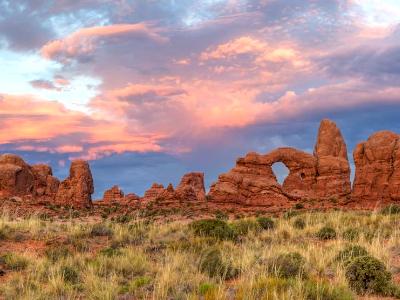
(191,187)
(333,168)
(16,177)
(45,185)
(377,163)
(154,192)
(77,189)
(115,194)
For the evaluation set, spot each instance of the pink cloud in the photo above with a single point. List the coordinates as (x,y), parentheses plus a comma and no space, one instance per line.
(84,41)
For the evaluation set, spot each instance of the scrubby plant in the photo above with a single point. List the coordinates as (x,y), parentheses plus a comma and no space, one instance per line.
(289,265)
(290,214)
(70,274)
(57,252)
(212,228)
(101,230)
(220,215)
(390,209)
(351,234)
(266,223)
(366,274)
(244,226)
(321,290)
(299,206)
(212,264)
(299,223)
(14,261)
(350,252)
(326,233)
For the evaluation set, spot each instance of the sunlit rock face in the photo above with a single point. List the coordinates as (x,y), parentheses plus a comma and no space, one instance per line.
(77,189)
(322,175)
(377,163)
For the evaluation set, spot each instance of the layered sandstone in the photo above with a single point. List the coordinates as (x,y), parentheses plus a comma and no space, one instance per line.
(325,174)
(377,164)
(45,184)
(77,189)
(192,187)
(114,194)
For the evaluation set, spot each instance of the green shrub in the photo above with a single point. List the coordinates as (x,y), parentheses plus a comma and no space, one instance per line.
(70,274)
(299,206)
(14,261)
(351,234)
(299,223)
(350,252)
(220,215)
(391,209)
(290,214)
(206,288)
(211,263)
(326,233)
(266,223)
(110,251)
(101,230)
(366,274)
(212,228)
(243,227)
(289,265)
(320,290)
(57,252)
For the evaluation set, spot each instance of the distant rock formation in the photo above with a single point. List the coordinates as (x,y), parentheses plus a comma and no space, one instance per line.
(322,175)
(45,185)
(377,164)
(78,188)
(116,195)
(192,187)
(154,192)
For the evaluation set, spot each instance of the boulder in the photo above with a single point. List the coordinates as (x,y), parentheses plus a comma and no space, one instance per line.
(16,176)
(77,189)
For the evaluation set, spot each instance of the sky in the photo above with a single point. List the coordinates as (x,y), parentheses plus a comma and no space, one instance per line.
(147,90)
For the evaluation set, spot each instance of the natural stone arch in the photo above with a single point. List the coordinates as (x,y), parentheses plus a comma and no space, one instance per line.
(302,170)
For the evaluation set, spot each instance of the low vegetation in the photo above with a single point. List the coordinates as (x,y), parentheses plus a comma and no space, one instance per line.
(301,255)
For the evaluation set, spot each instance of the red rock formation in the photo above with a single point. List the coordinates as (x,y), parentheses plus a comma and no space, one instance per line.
(45,185)
(16,176)
(377,163)
(154,192)
(322,175)
(77,189)
(333,168)
(115,194)
(192,187)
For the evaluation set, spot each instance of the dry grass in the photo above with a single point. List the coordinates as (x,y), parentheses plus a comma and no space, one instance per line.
(145,260)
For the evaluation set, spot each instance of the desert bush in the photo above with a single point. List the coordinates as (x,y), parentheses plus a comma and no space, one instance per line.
(321,290)
(212,228)
(110,251)
(326,233)
(390,209)
(212,264)
(289,265)
(244,226)
(266,223)
(350,252)
(101,230)
(14,261)
(366,274)
(351,234)
(299,206)
(220,215)
(299,223)
(57,252)
(70,274)
(290,214)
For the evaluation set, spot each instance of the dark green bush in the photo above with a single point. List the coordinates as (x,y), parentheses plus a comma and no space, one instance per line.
(221,215)
(244,226)
(366,274)
(211,263)
(290,265)
(266,223)
(299,206)
(351,234)
(350,252)
(14,261)
(212,228)
(70,274)
(57,252)
(391,209)
(101,230)
(321,290)
(299,223)
(326,233)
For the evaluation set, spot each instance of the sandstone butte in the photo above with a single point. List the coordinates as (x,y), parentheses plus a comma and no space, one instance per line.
(321,177)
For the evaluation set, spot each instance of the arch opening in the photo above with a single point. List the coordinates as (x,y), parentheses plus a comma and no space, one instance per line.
(281,172)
